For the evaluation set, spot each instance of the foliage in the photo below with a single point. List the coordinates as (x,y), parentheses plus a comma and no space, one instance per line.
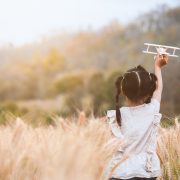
(69,83)
(78,65)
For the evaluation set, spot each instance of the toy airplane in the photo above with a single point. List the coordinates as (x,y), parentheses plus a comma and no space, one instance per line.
(161,49)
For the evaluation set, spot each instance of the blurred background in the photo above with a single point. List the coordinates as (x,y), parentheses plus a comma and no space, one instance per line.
(58,57)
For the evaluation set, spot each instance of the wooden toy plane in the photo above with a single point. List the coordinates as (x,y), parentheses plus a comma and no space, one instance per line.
(161,49)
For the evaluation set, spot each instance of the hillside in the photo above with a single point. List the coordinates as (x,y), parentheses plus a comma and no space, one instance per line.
(75,64)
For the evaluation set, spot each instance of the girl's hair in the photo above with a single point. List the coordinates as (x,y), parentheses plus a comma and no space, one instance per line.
(136,84)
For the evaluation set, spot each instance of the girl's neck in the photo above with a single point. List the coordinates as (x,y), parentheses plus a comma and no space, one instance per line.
(131,104)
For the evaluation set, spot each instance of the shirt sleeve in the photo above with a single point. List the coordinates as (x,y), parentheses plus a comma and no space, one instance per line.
(155,104)
(111,118)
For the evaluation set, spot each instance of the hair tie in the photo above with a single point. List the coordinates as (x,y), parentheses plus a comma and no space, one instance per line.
(150,76)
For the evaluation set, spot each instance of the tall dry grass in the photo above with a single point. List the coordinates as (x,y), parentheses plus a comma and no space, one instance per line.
(70,150)
(76,149)
(169,151)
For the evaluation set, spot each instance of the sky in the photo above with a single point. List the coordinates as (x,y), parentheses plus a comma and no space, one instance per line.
(25,21)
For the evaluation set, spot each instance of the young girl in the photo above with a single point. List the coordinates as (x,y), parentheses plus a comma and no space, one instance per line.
(136,124)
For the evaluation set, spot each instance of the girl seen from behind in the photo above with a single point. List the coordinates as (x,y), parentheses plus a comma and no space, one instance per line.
(137,124)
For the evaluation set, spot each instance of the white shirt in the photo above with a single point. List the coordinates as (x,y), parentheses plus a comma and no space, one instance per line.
(139,127)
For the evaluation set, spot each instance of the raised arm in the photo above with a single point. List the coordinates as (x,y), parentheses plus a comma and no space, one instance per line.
(160,61)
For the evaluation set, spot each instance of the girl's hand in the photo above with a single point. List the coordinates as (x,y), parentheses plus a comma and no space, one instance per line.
(161,60)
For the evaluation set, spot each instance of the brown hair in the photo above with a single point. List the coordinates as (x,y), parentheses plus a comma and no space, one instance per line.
(136,84)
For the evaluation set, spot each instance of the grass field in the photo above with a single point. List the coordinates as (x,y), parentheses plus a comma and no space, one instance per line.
(76,149)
